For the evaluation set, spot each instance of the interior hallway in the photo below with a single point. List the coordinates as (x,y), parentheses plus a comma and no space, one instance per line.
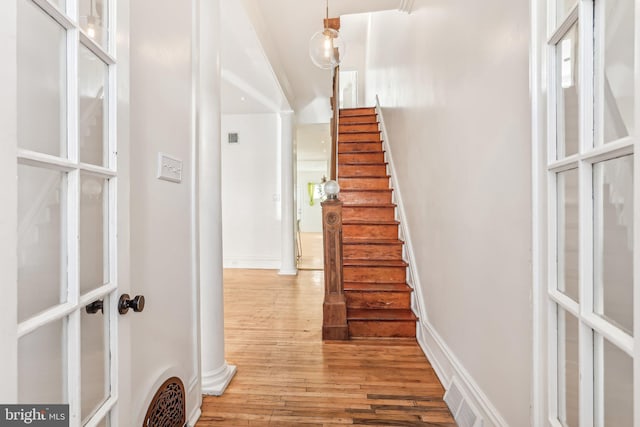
(312,257)
(288,377)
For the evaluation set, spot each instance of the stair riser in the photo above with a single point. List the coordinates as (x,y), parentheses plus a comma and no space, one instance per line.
(378,299)
(358,127)
(371,118)
(355,147)
(375,274)
(361,157)
(364,183)
(365,196)
(362,170)
(386,252)
(382,329)
(377,231)
(371,214)
(355,137)
(357,111)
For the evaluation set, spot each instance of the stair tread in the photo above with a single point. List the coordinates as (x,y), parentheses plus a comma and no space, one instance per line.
(377,287)
(364,189)
(370,222)
(368,262)
(359,152)
(364,141)
(359,131)
(391,314)
(362,163)
(366,241)
(362,176)
(369,205)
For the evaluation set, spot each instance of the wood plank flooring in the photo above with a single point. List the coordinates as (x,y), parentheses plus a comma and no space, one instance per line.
(312,251)
(288,377)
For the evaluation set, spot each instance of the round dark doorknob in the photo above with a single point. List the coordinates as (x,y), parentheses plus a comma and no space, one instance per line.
(125,303)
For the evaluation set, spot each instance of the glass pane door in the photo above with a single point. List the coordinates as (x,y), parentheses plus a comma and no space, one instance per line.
(593,139)
(67,279)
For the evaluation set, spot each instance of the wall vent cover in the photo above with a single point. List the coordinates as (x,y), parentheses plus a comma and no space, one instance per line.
(463,411)
(168,407)
(233,137)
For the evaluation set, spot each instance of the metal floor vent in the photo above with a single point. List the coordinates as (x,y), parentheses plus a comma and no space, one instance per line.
(463,412)
(168,407)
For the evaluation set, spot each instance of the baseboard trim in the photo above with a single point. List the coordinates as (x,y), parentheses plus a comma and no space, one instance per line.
(447,366)
(194,417)
(215,383)
(252,263)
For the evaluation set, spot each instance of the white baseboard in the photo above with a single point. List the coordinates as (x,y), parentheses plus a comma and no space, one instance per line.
(194,417)
(447,366)
(250,263)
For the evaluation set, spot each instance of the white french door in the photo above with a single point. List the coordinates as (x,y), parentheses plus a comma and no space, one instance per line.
(67,193)
(594,78)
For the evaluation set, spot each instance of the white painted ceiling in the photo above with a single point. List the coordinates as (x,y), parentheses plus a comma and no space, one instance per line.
(265,55)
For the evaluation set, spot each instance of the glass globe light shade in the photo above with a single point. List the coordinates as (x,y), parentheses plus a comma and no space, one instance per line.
(326,48)
(331,189)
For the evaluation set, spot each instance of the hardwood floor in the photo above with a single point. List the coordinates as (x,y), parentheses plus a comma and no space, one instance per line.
(312,251)
(288,377)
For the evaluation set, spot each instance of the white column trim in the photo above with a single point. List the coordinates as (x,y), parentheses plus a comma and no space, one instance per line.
(215,382)
(216,373)
(288,253)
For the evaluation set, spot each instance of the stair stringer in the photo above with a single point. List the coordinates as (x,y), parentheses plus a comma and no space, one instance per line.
(445,363)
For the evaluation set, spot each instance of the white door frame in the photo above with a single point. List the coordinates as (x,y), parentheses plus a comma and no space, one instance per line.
(8,194)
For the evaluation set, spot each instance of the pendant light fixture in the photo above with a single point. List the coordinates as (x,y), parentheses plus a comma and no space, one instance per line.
(326,47)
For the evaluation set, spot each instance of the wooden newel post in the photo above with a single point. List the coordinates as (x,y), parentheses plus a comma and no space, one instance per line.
(334,308)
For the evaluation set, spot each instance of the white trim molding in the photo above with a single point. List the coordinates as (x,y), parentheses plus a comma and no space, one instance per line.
(251,263)
(194,417)
(447,366)
(406,6)
(445,363)
(214,383)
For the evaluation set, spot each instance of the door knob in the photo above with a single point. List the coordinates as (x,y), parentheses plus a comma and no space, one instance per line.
(125,303)
(94,307)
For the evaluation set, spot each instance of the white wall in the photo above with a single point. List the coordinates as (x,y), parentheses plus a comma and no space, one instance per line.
(453,85)
(161,258)
(251,220)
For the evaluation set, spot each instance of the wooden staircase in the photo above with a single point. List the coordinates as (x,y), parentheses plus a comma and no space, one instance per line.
(377,296)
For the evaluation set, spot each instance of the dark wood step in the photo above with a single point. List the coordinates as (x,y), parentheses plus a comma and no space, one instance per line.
(358,119)
(363,182)
(361,157)
(359,137)
(357,127)
(381,323)
(345,112)
(362,169)
(375,271)
(356,147)
(371,212)
(370,229)
(377,299)
(387,249)
(366,196)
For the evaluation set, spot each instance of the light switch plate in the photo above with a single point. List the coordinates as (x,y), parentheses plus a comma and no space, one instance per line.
(169,168)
